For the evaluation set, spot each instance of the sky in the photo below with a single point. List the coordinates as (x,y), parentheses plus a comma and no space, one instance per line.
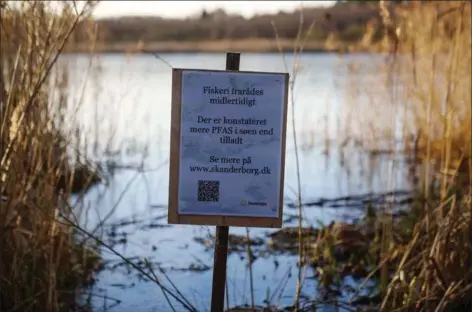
(179,9)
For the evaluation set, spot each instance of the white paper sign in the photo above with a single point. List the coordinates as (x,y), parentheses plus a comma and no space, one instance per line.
(231,143)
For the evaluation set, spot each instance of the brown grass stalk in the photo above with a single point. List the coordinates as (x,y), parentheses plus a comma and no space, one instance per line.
(430,62)
(40,263)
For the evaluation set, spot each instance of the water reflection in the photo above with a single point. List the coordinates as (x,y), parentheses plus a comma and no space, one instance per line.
(125,112)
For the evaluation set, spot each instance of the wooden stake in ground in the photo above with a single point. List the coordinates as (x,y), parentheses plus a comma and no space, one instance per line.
(195,198)
(222,232)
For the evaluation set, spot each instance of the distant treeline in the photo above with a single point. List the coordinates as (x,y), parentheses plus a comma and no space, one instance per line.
(346,19)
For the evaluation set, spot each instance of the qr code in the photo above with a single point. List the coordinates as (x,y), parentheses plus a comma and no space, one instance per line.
(208,191)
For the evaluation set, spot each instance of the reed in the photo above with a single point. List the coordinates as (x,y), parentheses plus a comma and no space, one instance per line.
(42,264)
(427,94)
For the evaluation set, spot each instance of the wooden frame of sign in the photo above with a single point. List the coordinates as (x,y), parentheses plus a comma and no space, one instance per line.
(175,156)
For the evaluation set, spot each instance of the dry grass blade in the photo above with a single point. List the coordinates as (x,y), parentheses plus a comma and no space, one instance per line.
(429,75)
(42,262)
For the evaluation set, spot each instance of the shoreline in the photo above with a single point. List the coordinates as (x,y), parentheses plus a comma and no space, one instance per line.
(213,46)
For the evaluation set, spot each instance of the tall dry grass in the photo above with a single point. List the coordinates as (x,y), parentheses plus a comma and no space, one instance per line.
(426,95)
(41,262)
(46,252)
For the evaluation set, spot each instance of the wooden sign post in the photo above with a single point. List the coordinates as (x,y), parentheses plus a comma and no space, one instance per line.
(227,153)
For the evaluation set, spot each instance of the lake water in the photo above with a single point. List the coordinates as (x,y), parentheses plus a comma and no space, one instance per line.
(125,118)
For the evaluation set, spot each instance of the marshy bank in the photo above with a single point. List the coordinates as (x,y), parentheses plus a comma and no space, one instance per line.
(386,199)
(385,202)
(44,259)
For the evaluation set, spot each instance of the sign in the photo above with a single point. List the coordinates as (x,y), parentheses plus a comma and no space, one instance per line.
(227,148)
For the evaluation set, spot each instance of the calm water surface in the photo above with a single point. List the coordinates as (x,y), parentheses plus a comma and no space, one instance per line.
(125,117)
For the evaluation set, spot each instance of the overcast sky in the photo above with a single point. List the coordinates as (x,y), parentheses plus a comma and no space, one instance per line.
(186,8)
